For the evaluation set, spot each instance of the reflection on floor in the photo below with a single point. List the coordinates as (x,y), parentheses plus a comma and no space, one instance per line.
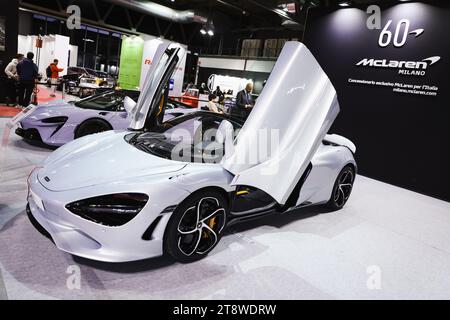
(386,243)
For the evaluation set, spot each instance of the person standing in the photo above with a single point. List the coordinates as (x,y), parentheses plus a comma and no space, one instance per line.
(202,89)
(218,92)
(244,102)
(55,75)
(27,71)
(190,85)
(221,104)
(11,84)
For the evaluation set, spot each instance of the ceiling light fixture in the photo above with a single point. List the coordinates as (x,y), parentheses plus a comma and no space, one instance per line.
(207,29)
(210,28)
(344,3)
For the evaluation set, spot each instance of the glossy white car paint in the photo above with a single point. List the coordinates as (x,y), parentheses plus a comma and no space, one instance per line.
(298,105)
(105,163)
(340,140)
(167,183)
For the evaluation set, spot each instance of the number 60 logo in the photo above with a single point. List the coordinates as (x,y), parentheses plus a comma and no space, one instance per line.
(400,34)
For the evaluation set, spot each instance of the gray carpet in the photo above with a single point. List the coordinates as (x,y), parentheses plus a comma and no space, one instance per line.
(3,294)
(387,243)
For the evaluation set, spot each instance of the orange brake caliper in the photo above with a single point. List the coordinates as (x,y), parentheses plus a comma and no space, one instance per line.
(211,224)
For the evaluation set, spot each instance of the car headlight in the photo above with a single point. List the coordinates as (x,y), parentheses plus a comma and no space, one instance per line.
(111,210)
(54,120)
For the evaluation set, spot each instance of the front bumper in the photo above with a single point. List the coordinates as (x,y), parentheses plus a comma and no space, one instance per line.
(47,135)
(31,134)
(87,239)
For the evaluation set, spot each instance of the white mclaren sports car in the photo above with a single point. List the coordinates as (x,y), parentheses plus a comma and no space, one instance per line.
(174,187)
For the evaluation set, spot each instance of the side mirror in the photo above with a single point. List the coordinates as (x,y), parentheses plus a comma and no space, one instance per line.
(128,104)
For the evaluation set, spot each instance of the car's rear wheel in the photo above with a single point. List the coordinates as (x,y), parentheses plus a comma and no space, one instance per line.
(196,226)
(342,188)
(91,126)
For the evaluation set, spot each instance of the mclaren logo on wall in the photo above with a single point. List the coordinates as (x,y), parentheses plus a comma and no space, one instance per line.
(409,68)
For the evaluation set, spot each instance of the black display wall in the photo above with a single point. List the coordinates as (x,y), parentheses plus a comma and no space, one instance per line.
(10,11)
(402,133)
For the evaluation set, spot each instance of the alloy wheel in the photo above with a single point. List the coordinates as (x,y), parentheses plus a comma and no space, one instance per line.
(343,188)
(200,226)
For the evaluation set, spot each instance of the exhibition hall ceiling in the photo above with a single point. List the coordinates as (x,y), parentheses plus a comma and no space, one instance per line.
(231,21)
(246,18)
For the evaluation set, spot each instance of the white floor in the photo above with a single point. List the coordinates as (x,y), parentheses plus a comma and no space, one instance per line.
(387,243)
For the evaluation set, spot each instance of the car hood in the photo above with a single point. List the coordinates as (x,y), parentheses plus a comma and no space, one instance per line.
(100,159)
(54,109)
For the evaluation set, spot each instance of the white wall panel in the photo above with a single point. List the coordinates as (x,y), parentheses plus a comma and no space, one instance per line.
(221,63)
(259,66)
(150,45)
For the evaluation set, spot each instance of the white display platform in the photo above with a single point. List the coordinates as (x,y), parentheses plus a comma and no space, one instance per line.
(387,243)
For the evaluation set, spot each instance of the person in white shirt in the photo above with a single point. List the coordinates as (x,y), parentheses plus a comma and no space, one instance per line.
(11,68)
(13,77)
(212,106)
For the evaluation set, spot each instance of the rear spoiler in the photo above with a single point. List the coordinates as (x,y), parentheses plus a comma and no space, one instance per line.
(340,141)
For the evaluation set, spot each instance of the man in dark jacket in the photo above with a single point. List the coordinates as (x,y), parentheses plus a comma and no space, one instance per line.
(27,71)
(244,102)
(218,92)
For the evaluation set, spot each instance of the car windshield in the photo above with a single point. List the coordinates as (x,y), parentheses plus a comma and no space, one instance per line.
(74,70)
(189,138)
(92,72)
(110,101)
(102,74)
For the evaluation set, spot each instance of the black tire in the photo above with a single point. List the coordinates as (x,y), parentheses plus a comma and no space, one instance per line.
(342,188)
(188,238)
(91,126)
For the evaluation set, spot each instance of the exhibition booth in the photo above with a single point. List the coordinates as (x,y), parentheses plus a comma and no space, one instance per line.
(136,58)
(52,46)
(318,172)
(393,83)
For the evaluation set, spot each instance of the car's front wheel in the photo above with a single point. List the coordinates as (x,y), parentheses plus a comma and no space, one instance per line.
(342,188)
(196,226)
(90,127)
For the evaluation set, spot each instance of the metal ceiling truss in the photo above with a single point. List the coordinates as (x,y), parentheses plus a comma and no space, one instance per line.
(135,20)
(101,20)
(64,15)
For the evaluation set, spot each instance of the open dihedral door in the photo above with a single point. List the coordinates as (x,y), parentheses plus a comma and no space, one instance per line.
(149,108)
(289,120)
